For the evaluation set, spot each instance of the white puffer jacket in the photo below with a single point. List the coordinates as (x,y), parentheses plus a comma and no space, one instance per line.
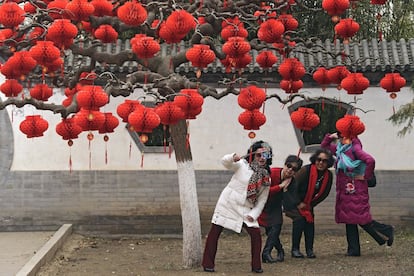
(232,207)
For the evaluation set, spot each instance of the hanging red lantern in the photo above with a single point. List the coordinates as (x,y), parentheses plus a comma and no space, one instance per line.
(200,55)
(271,31)
(132,13)
(144,46)
(236,47)
(56,9)
(168,35)
(251,97)
(335,8)
(337,74)
(252,119)
(266,59)
(180,22)
(350,126)
(11,15)
(291,86)
(127,107)
(89,120)
(392,83)
(144,120)
(20,64)
(346,28)
(106,34)
(110,123)
(291,69)
(355,83)
(41,92)
(29,8)
(305,118)
(321,77)
(80,10)
(34,126)
(44,52)
(102,8)
(190,102)
(68,129)
(11,88)
(92,97)
(169,113)
(289,22)
(233,30)
(62,32)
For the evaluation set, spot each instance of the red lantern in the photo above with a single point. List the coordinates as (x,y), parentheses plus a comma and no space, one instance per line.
(350,126)
(143,120)
(92,97)
(355,83)
(20,64)
(132,13)
(34,126)
(266,59)
(180,22)
(236,47)
(41,92)
(289,22)
(68,129)
(251,97)
(11,15)
(127,107)
(200,55)
(102,8)
(291,69)
(106,34)
(232,30)
(291,86)
(271,31)
(44,52)
(62,32)
(11,88)
(305,118)
(392,83)
(321,77)
(346,28)
(80,10)
(89,119)
(168,35)
(57,9)
(335,7)
(337,74)
(378,2)
(252,119)
(169,113)
(110,123)
(190,102)
(144,46)
(85,78)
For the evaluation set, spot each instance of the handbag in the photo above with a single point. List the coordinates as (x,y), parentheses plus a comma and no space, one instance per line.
(372,182)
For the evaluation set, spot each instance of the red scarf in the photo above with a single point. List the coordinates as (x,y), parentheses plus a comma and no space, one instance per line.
(309,197)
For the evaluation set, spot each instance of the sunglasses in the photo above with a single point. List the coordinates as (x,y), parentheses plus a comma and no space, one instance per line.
(322,160)
(264,155)
(290,166)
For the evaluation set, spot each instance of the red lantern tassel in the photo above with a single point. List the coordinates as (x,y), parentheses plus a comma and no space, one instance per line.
(169,150)
(106,153)
(90,159)
(187,137)
(164,127)
(70,160)
(130,149)
(142,159)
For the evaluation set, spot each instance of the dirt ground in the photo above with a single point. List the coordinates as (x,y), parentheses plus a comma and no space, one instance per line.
(89,256)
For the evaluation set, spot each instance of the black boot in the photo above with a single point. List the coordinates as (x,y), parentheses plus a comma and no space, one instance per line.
(297,229)
(267,249)
(280,255)
(384,229)
(309,238)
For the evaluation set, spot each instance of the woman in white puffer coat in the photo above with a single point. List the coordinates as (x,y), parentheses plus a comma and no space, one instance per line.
(241,202)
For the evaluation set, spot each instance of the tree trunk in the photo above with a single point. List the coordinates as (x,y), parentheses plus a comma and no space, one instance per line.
(190,214)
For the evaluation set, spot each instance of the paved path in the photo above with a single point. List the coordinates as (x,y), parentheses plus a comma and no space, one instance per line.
(17,248)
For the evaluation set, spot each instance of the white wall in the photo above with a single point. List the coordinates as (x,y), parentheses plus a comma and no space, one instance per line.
(215,132)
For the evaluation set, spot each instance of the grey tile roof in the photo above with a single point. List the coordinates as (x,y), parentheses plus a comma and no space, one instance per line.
(371,57)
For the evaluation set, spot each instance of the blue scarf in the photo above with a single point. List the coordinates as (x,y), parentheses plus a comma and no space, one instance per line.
(347,165)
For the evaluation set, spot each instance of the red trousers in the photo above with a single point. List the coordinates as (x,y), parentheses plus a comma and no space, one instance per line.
(212,240)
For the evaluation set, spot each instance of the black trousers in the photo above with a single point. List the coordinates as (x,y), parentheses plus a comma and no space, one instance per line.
(378,231)
(300,226)
(273,240)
